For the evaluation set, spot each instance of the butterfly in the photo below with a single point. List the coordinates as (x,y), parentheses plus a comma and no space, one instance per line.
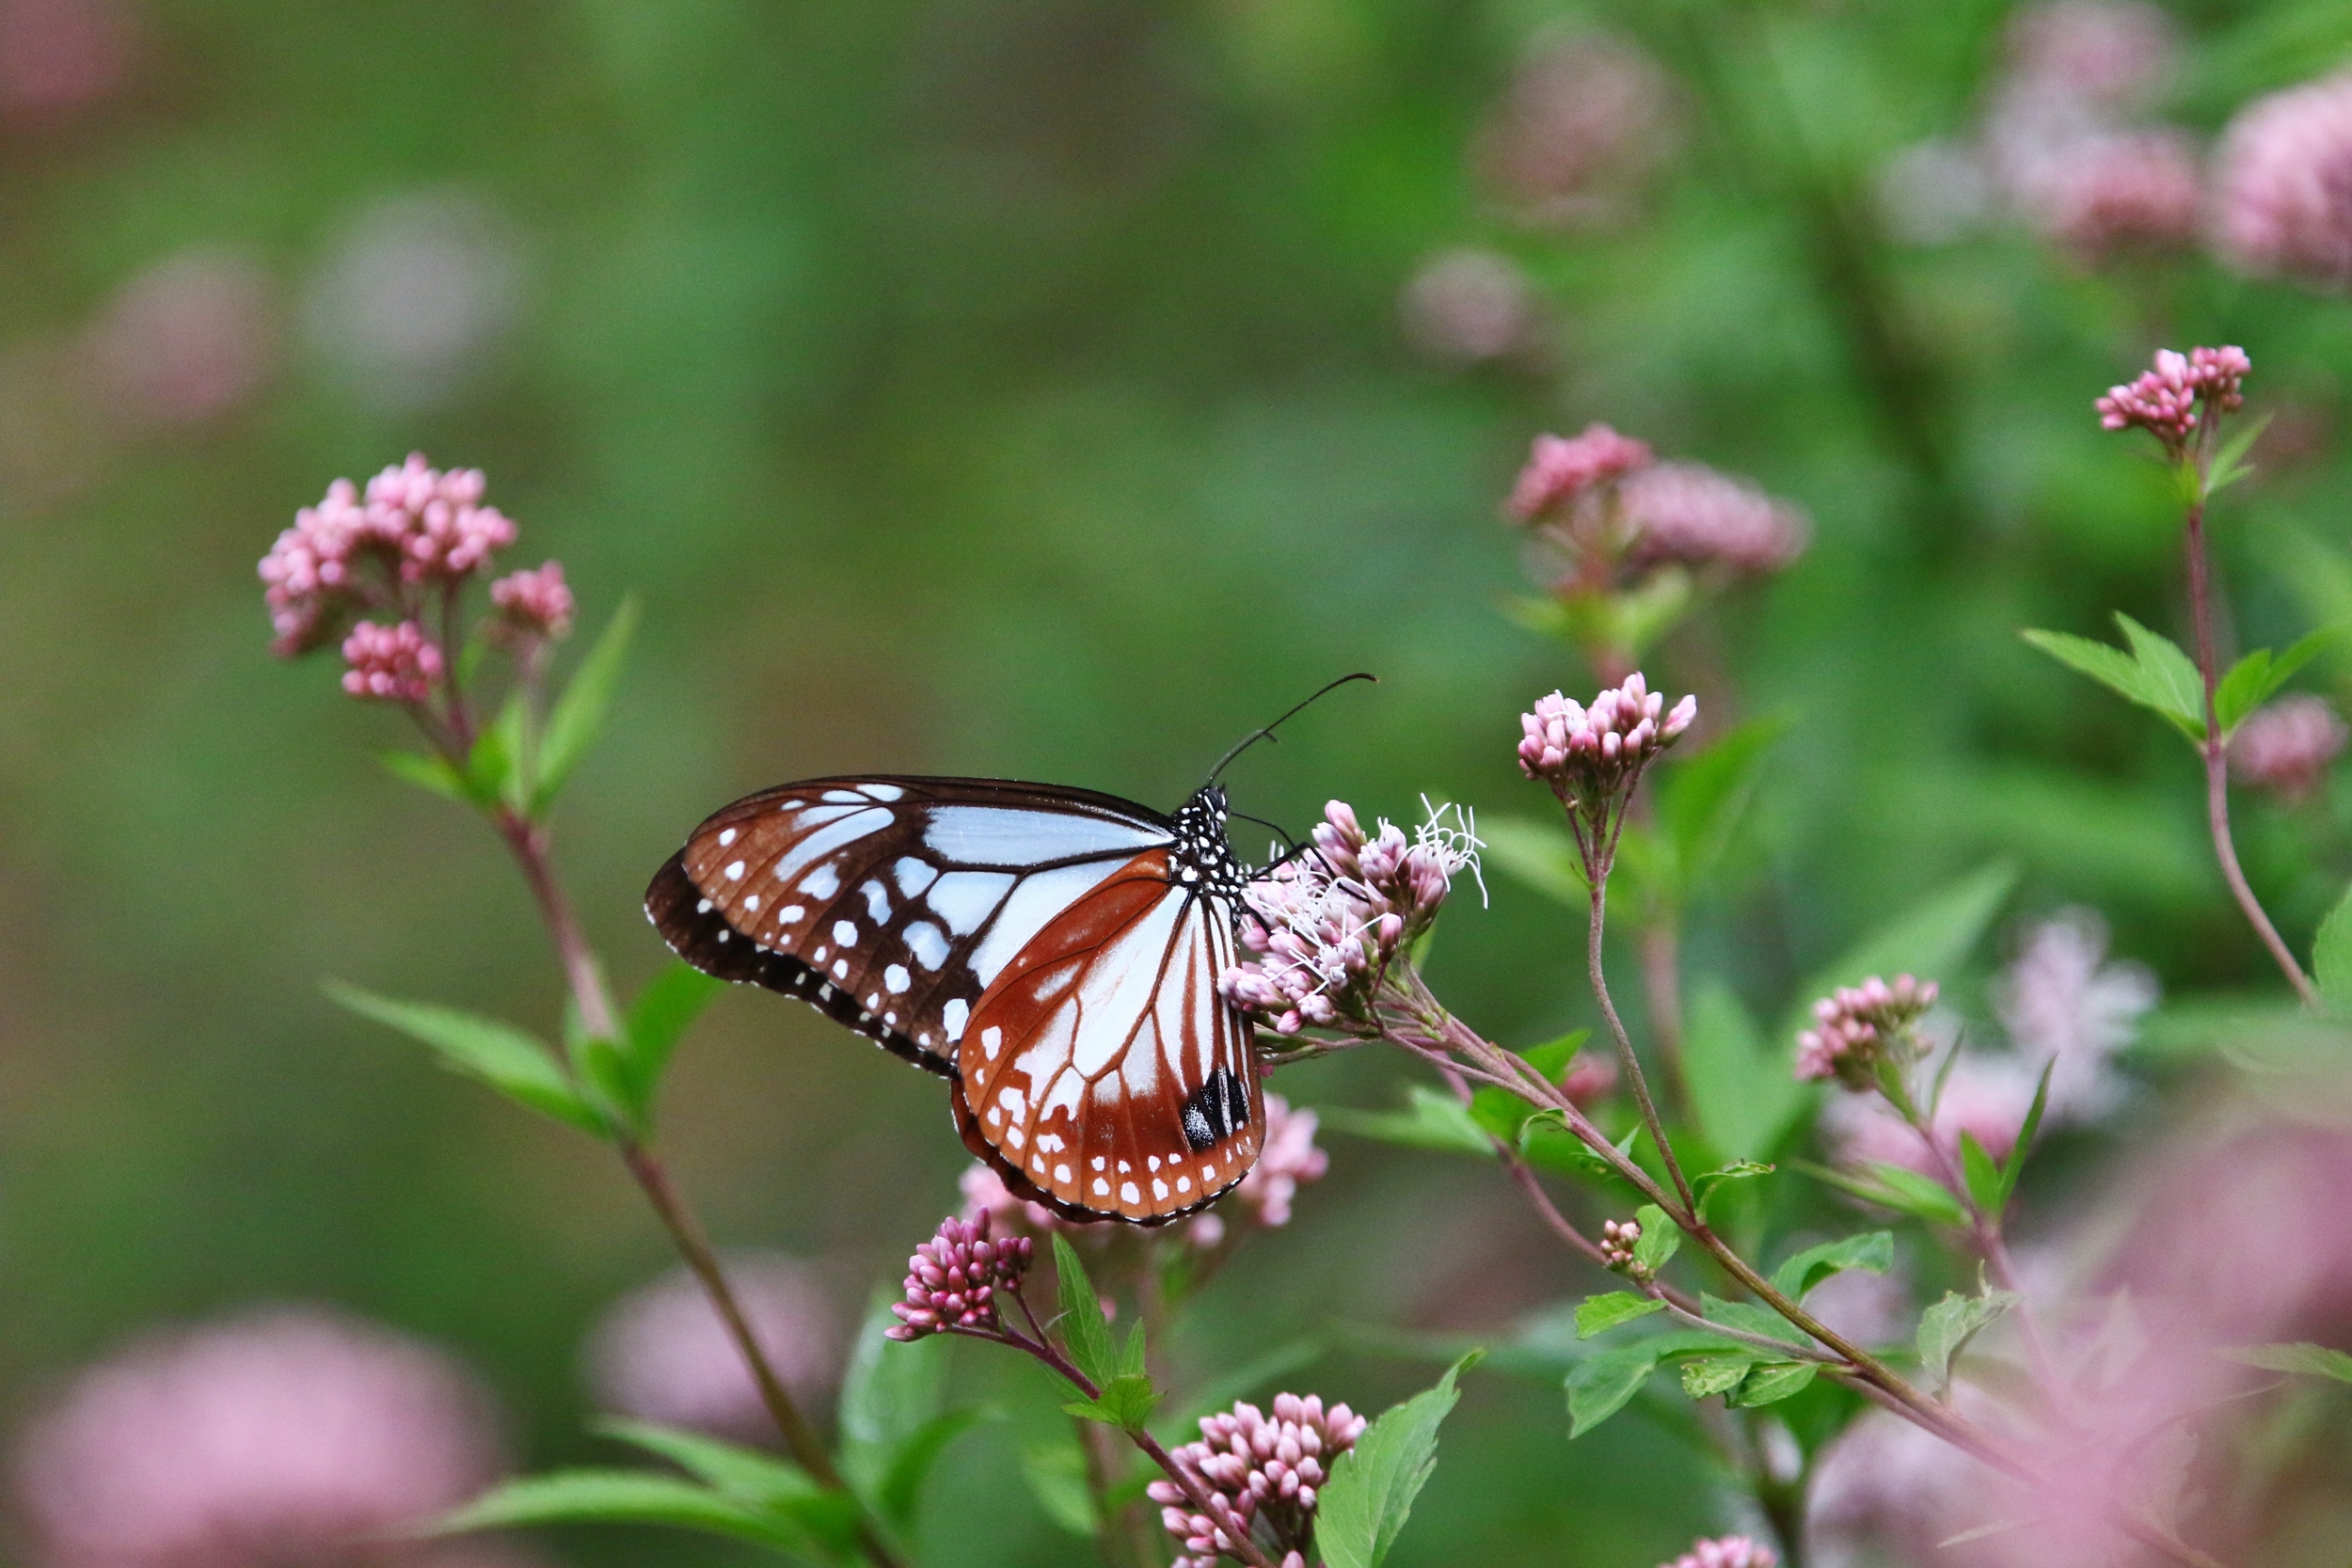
(1053,952)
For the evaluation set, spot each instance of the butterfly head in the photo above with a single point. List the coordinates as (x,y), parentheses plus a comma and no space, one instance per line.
(1203,854)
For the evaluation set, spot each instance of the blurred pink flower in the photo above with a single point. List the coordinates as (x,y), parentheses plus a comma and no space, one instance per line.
(985,1193)
(1986,1096)
(1560,470)
(2061,1001)
(2110,52)
(2286,747)
(1729,1551)
(1287,1157)
(390,664)
(1468,306)
(286,1437)
(663,1354)
(2283,200)
(1688,512)
(2130,190)
(1583,123)
(60,56)
(186,340)
(537,602)
(1863,1308)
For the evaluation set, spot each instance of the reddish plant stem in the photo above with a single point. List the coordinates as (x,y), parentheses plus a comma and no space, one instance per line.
(2216,752)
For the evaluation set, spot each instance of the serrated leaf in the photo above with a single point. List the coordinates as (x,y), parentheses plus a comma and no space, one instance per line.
(1750,1317)
(1055,1470)
(1085,1332)
(1539,854)
(1549,1145)
(2332,958)
(1911,1192)
(2171,674)
(579,713)
(1431,1120)
(2128,673)
(1775,1381)
(1702,798)
(658,1020)
(1715,1374)
(1362,1509)
(1598,1314)
(430,771)
(498,1054)
(1599,1385)
(1126,1401)
(1946,1328)
(1873,1253)
(626,1497)
(1659,1239)
(2302,1358)
(2229,464)
(2016,1166)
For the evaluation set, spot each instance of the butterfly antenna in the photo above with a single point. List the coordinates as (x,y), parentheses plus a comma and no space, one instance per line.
(1267,733)
(1276,828)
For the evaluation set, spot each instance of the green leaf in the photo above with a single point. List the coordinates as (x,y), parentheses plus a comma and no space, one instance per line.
(1750,1317)
(1873,1253)
(1598,1314)
(1549,1145)
(1743,1090)
(1702,798)
(1705,1183)
(1085,1332)
(2332,958)
(1126,1401)
(899,1495)
(1504,1113)
(1775,1381)
(1715,1374)
(2229,464)
(1907,1193)
(498,1054)
(1931,939)
(1055,1470)
(579,712)
(2302,1358)
(658,1020)
(748,1475)
(429,770)
(1363,1507)
(626,1497)
(2254,679)
(1540,853)
(1661,1237)
(2148,674)
(494,768)
(1432,1120)
(1600,1385)
(890,1394)
(1979,1171)
(2024,1146)
(1946,1328)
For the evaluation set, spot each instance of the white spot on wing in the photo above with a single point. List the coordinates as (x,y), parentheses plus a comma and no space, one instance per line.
(928,943)
(953,1016)
(726,837)
(1061,1173)
(735,871)
(844,933)
(820,883)
(881,791)
(877,902)
(826,839)
(912,875)
(841,969)
(1128,1192)
(1102,1188)
(1159,1188)
(751,903)
(966,899)
(897,978)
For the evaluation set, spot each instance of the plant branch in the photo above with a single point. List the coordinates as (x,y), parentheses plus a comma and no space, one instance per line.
(1625,1043)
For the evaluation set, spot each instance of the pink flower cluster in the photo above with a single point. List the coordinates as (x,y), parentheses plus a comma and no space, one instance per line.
(1259,1469)
(1689,514)
(1561,469)
(2165,399)
(2283,190)
(2286,747)
(1583,122)
(2111,193)
(1617,1240)
(392,664)
(1325,923)
(292,1435)
(1588,755)
(419,524)
(1728,1551)
(953,1279)
(538,603)
(1856,1027)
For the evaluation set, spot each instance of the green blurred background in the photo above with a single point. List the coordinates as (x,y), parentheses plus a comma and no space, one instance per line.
(1011,386)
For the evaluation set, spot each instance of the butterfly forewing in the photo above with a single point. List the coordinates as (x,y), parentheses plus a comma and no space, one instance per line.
(890,903)
(1103,1068)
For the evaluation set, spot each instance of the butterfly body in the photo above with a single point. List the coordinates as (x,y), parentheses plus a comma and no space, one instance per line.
(1054,952)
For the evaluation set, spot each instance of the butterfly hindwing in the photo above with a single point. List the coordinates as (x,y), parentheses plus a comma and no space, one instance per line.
(1102,1070)
(889,903)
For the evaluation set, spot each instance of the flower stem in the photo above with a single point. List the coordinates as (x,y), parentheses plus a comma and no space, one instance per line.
(1632,1063)
(2217,765)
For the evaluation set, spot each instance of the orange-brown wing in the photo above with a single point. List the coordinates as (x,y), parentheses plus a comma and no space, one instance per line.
(1103,1068)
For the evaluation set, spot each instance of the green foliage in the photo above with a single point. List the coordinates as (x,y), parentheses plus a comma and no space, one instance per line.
(2332,958)
(1894,1187)
(893,1424)
(1703,799)
(498,1054)
(1598,1314)
(1600,1385)
(1506,1114)
(657,1021)
(2154,673)
(1363,1507)
(2254,679)
(1432,1119)
(602,1496)
(1538,852)
(1873,1253)
(2026,1132)
(578,714)
(1946,1328)
(2302,1358)
(2229,466)
(1658,1240)
(430,771)
(1086,1333)
(1715,1374)
(1055,1470)
(1775,1381)
(1743,1091)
